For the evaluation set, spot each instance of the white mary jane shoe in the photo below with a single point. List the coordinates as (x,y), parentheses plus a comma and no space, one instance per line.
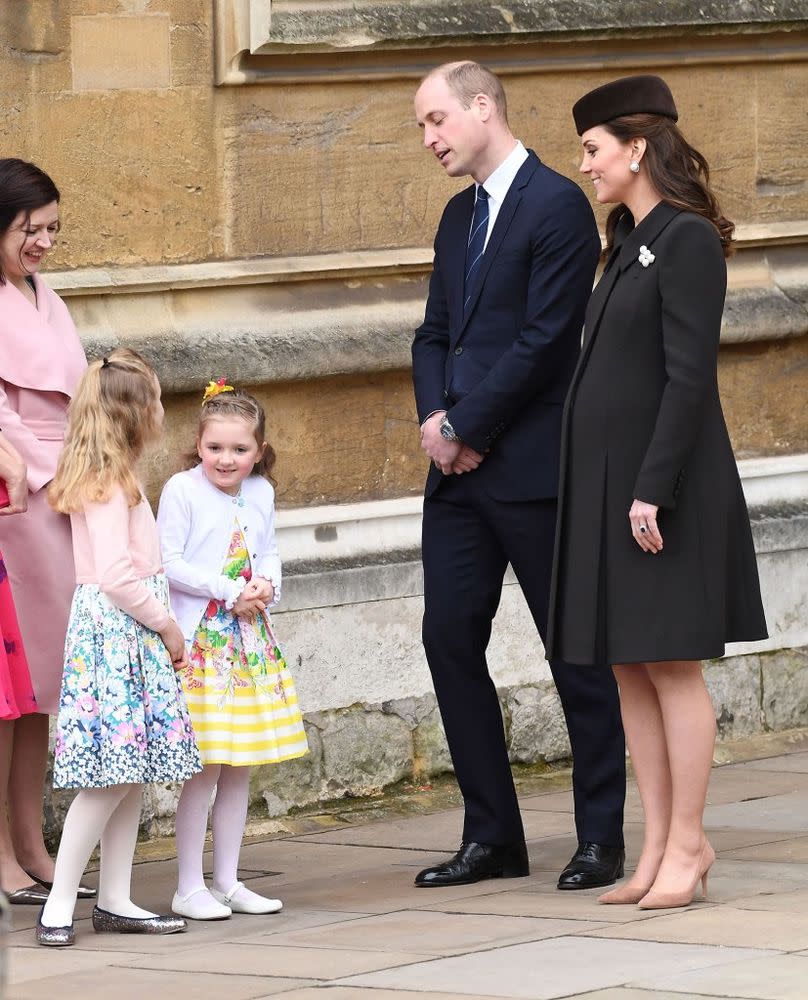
(243,900)
(201,904)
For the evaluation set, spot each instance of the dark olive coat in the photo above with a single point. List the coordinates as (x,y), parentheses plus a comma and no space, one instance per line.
(643,421)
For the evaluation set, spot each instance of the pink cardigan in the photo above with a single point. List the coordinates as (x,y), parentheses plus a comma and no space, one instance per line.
(115,546)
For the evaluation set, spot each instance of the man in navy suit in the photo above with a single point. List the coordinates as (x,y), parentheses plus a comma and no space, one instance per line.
(515,259)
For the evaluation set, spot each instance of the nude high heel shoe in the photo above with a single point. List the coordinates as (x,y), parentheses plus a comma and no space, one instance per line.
(670,900)
(624,894)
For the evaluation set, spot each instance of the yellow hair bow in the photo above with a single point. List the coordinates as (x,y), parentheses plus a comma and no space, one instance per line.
(215,388)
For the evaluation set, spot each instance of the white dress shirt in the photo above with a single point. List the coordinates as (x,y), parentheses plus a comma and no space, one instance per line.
(498,183)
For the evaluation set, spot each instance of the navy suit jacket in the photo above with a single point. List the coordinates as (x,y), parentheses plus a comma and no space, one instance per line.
(502,371)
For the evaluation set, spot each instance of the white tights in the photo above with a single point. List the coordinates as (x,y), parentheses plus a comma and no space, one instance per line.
(111,815)
(232,786)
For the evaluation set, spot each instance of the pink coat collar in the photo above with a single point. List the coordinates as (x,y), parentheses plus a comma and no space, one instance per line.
(39,346)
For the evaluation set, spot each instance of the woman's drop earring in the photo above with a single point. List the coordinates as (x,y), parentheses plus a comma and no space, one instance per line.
(634,167)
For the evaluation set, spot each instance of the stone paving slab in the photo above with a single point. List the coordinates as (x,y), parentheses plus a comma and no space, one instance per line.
(778,977)
(795,849)
(267,959)
(139,984)
(47,963)
(359,993)
(792,762)
(791,901)
(724,925)
(545,901)
(437,832)
(776,812)
(354,927)
(630,993)
(729,880)
(728,786)
(434,933)
(561,967)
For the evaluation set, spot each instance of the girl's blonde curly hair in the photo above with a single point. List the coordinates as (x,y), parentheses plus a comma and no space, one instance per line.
(110,420)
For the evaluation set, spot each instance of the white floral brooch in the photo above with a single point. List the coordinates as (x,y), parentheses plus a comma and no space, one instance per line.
(646,257)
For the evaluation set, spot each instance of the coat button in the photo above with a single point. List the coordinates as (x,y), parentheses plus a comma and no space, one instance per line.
(458,350)
(445,393)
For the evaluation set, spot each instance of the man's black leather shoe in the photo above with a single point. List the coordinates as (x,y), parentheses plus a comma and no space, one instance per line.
(592,866)
(474,862)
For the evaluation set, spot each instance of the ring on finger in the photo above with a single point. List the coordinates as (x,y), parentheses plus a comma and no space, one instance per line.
(643,529)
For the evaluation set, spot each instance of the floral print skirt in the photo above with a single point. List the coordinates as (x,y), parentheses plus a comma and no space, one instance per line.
(122,715)
(238,687)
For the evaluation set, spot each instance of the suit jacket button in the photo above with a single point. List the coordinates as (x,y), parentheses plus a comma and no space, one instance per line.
(458,350)
(445,393)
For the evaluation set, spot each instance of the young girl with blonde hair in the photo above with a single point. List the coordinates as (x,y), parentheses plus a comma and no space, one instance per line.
(122,720)
(217,532)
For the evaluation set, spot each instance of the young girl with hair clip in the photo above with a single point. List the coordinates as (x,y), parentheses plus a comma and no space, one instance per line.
(217,533)
(122,719)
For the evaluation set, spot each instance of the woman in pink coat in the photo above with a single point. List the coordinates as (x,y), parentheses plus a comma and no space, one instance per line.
(41,361)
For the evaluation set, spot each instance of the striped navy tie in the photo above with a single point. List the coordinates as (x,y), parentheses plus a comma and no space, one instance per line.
(476,245)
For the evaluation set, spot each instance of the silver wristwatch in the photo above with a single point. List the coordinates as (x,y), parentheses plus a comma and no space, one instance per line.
(447,432)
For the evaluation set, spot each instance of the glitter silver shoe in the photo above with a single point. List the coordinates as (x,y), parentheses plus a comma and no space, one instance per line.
(54,937)
(104,921)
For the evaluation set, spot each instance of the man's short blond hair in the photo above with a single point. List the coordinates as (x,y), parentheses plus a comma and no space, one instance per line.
(468,79)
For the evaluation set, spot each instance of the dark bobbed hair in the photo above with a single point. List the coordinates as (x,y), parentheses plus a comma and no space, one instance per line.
(236,404)
(678,172)
(24,187)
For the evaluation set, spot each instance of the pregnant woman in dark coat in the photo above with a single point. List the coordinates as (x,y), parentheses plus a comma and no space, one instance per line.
(655,568)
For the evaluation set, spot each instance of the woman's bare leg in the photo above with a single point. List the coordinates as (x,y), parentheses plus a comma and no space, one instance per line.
(645,739)
(12,876)
(26,790)
(689,721)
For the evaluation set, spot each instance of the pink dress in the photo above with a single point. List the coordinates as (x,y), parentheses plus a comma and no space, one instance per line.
(16,691)
(41,362)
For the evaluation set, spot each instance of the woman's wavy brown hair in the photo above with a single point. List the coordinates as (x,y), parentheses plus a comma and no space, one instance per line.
(110,420)
(678,172)
(246,407)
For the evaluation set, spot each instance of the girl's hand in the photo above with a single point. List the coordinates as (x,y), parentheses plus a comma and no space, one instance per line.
(174,642)
(17,495)
(262,589)
(248,606)
(643,518)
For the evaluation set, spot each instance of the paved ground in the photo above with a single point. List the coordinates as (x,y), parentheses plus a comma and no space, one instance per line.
(355,928)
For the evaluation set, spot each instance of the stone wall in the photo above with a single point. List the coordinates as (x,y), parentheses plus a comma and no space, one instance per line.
(277,228)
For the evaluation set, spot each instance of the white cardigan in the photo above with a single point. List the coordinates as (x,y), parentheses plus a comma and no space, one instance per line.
(195,523)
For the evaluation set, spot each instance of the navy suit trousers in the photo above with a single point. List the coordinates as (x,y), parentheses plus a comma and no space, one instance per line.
(468,540)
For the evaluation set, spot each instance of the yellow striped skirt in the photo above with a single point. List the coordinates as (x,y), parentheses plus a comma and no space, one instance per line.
(240,693)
